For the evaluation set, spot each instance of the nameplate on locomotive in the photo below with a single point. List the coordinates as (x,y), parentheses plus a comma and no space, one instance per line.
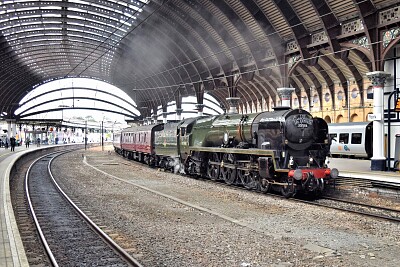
(302,121)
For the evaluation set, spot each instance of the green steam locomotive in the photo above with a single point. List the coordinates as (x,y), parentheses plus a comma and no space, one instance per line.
(284,150)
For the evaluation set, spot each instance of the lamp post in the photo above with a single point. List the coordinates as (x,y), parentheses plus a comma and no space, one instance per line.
(112,130)
(102,138)
(85,134)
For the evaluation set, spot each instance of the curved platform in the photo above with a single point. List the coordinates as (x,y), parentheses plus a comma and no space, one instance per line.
(12,251)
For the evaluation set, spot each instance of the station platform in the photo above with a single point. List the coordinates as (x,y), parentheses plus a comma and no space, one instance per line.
(12,253)
(357,168)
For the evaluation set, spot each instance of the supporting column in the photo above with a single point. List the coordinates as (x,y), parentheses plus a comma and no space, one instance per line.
(378,160)
(200,108)
(233,102)
(13,128)
(155,117)
(164,115)
(9,134)
(179,114)
(285,93)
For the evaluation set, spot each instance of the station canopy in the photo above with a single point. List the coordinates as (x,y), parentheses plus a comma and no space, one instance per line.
(159,50)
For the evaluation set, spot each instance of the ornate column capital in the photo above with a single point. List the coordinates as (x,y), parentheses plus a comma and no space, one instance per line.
(285,93)
(164,115)
(200,107)
(233,102)
(378,78)
(179,111)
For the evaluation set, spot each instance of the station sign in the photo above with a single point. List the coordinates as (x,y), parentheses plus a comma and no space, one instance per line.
(374,117)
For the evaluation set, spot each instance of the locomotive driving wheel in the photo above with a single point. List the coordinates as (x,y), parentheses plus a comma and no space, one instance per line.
(213,167)
(229,175)
(263,185)
(289,189)
(248,179)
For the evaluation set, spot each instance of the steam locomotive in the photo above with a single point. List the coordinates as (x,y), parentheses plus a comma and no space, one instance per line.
(284,150)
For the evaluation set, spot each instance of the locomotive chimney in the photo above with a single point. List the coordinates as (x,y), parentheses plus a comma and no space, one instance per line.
(233,102)
(285,94)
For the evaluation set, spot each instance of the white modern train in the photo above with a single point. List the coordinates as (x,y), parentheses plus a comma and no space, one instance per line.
(352,139)
(355,139)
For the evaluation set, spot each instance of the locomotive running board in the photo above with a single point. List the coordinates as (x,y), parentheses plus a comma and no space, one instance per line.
(250,151)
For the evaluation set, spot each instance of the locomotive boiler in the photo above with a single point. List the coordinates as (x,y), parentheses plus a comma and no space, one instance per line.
(284,149)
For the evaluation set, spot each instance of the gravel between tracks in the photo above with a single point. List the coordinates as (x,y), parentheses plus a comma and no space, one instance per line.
(243,229)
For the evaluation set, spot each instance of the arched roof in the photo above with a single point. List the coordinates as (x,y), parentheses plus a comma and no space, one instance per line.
(152,49)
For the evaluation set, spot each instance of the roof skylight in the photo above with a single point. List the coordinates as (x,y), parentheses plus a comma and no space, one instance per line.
(67,33)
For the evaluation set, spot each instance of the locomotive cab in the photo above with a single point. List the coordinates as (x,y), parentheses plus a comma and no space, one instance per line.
(184,135)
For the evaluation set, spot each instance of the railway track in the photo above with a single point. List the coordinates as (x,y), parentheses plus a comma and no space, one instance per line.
(346,181)
(363,209)
(366,183)
(331,202)
(69,237)
(374,211)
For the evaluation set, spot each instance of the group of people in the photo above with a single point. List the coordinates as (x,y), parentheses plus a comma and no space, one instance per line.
(14,142)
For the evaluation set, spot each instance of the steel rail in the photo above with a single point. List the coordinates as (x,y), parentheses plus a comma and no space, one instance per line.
(360,204)
(349,210)
(39,229)
(128,258)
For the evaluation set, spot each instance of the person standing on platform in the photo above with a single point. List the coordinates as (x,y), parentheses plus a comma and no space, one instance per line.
(12,143)
(27,141)
(38,142)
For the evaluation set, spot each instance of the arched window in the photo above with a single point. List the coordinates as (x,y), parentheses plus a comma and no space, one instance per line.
(315,99)
(340,95)
(305,101)
(296,102)
(327,119)
(354,93)
(354,118)
(327,97)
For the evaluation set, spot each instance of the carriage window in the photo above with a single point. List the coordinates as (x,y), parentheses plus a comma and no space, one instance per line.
(344,138)
(333,136)
(356,138)
(183,131)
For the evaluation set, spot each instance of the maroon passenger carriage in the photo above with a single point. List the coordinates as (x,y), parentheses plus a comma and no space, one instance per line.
(137,142)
